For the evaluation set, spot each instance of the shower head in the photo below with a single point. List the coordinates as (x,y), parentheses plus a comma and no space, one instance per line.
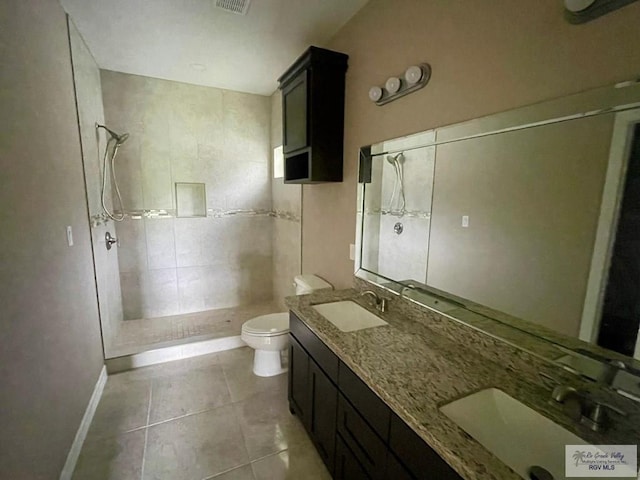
(119,138)
(395,158)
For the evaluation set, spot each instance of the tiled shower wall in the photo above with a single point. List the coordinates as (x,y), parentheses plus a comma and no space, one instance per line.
(287,205)
(187,133)
(86,76)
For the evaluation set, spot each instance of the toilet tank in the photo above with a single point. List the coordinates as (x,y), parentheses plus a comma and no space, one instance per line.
(309,283)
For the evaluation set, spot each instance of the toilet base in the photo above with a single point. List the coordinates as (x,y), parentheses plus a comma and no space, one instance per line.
(267,363)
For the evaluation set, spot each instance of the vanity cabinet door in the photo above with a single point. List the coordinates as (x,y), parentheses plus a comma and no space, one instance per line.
(362,440)
(347,465)
(419,458)
(324,400)
(395,469)
(299,391)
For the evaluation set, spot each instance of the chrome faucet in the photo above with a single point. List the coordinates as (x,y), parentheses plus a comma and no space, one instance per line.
(381,303)
(590,412)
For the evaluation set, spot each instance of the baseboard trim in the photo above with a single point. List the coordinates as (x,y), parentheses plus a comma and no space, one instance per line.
(175,352)
(81,434)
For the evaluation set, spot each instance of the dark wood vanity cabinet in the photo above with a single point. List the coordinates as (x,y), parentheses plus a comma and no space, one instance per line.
(313,117)
(313,395)
(355,432)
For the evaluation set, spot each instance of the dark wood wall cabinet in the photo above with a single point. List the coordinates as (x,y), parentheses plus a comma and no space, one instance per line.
(355,432)
(313,117)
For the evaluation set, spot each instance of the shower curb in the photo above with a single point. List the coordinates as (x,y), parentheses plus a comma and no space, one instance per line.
(171,353)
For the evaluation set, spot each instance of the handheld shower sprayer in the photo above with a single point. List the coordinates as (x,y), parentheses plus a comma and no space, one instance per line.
(118,140)
(397,161)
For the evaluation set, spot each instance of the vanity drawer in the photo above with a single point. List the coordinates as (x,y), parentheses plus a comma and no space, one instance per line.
(419,459)
(367,447)
(367,403)
(322,355)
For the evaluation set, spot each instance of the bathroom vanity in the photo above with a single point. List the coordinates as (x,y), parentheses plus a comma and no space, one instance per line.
(372,399)
(355,432)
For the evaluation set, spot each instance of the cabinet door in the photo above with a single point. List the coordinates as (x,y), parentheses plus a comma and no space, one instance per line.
(324,401)
(347,465)
(362,440)
(299,391)
(418,458)
(294,112)
(395,470)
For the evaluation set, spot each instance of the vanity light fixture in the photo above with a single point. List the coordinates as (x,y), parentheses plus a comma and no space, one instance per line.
(578,5)
(414,78)
(375,94)
(582,11)
(413,75)
(393,85)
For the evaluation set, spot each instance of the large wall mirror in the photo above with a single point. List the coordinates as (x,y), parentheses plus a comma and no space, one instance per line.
(530,217)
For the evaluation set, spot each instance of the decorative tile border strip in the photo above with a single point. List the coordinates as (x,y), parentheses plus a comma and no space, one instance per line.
(103,219)
(398,213)
(285,215)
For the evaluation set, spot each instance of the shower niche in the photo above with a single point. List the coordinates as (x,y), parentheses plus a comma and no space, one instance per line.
(191,200)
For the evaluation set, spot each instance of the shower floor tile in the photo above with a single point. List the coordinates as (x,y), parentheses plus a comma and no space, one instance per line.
(136,336)
(212,436)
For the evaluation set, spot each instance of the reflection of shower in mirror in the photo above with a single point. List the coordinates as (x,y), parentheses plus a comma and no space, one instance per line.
(397,161)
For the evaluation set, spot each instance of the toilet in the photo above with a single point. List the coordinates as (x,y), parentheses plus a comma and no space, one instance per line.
(268,334)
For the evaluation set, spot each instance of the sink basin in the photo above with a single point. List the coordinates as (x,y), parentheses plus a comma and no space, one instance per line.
(348,316)
(513,432)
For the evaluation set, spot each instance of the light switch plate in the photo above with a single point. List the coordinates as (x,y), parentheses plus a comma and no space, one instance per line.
(70,235)
(352,251)
(465,221)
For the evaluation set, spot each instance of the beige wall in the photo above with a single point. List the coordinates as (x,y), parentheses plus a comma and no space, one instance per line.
(86,77)
(286,202)
(186,133)
(50,350)
(486,57)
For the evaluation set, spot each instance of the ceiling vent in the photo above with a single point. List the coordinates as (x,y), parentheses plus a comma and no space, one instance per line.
(239,7)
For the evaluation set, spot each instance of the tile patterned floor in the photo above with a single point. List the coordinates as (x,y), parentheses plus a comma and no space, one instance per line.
(135,336)
(201,418)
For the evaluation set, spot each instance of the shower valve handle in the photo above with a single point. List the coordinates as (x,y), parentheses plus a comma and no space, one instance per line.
(109,240)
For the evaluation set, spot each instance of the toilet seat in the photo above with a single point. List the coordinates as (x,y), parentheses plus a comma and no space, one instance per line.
(269,325)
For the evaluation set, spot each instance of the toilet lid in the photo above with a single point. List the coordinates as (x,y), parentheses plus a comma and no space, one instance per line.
(273,323)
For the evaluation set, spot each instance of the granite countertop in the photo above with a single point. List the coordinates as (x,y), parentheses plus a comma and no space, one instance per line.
(415,369)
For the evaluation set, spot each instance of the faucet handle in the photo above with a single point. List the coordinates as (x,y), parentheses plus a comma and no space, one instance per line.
(602,406)
(596,416)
